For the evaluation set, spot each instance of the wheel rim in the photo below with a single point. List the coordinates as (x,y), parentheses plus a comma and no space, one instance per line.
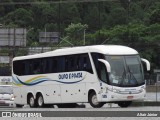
(40,101)
(31,101)
(94,100)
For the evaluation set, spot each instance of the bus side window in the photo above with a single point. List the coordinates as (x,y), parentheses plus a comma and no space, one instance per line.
(20,67)
(57,64)
(81,63)
(85,64)
(61,64)
(77,63)
(45,65)
(72,64)
(36,66)
(54,65)
(30,67)
(66,63)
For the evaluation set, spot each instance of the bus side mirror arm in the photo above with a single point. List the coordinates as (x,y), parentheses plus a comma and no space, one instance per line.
(108,66)
(147,64)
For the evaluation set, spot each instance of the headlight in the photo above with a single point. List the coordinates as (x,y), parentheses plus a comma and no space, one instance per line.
(12,98)
(116,91)
(109,88)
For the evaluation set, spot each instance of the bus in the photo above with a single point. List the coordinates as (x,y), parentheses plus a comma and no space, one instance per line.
(96,74)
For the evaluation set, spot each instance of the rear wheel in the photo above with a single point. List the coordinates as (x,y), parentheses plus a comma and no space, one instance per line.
(40,101)
(31,101)
(124,104)
(94,101)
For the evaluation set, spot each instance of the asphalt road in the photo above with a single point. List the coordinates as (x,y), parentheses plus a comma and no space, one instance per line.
(106,113)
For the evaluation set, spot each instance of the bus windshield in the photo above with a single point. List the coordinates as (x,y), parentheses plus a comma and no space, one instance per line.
(125,70)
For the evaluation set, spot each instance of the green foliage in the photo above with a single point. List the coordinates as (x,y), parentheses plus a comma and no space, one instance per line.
(135,23)
(21,52)
(75,32)
(143,38)
(155,16)
(115,19)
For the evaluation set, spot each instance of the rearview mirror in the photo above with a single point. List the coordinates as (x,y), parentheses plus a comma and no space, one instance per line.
(108,66)
(147,64)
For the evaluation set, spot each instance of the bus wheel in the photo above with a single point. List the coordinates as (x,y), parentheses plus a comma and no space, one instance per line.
(31,101)
(40,101)
(94,101)
(124,103)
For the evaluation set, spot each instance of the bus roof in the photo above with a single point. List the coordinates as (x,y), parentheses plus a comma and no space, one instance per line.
(104,49)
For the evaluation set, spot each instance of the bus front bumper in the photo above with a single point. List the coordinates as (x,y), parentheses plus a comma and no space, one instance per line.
(114,96)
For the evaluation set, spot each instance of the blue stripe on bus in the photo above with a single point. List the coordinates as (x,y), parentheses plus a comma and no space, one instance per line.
(18,81)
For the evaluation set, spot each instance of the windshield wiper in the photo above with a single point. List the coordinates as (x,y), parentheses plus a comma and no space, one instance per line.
(123,77)
(131,74)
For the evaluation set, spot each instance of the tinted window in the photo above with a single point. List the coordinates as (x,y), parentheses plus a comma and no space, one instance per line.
(37,66)
(19,67)
(84,63)
(46,65)
(54,64)
(67,63)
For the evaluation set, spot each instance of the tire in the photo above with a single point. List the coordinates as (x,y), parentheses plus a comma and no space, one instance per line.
(40,101)
(19,106)
(124,104)
(93,101)
(31,101)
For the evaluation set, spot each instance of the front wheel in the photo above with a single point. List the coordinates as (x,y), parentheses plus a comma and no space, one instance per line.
(124,104)
(94,101)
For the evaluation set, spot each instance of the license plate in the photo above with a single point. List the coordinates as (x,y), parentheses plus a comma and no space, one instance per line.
(129,97)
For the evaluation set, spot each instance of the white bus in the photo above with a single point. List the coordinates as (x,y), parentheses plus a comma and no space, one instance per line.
(96,74)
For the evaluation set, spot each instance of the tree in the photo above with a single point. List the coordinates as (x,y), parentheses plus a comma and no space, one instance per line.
(20,17)
(155,16)
(75,32)
(118,16)
(5,9)
(69,14)
(92,17)
(23,17)
(39,15)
